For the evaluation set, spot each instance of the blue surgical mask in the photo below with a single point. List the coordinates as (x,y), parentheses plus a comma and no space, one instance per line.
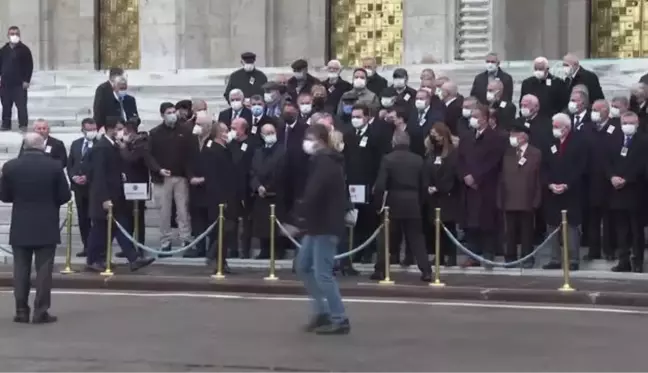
(257,110)
(347,109)
(121,94)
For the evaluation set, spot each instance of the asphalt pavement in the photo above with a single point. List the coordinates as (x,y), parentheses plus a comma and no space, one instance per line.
(215,332)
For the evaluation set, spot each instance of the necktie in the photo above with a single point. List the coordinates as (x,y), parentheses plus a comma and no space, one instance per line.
(286,136)
(519,153)
(123,112)
(358,132)
(255,121)
(626,142)
(84,148)
(420,117)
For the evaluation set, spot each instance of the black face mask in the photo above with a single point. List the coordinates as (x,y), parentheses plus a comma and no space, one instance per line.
(319,102)
(289,118)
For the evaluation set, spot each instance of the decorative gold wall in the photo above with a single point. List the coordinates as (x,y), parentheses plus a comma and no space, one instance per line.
(118,31)
(619,28)
(367,28)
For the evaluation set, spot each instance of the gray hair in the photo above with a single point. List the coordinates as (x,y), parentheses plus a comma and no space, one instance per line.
(541,61)
(34,141)
(630,115)
(583,95)
(236,92)
(451,87)
(623,100)
(563,119)
(401,138)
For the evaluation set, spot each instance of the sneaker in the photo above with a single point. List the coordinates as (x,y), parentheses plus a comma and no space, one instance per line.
(317,322)
(338,328)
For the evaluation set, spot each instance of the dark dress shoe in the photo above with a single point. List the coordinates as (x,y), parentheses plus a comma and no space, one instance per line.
(21,318)
(82,254)
(165,248)
(340,328)
(574,266)
(45,318)
(622,266)
(528,264)
(377,276)
(120,254)
(317,322)
(426,277)
(226,269)
(590,257)
(141,263)
(349,271)
(95,267)
(552,265)
(193,253)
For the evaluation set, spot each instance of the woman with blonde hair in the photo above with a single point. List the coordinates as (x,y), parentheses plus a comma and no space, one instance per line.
(440,176)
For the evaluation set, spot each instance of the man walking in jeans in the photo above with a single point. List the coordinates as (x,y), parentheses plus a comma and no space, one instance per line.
(321,216)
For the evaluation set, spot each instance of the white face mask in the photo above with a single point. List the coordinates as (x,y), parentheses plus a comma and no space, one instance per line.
(572,107)
(539,74)
(615,112)
(514,141)
(305,108)
(420,104)
(119,135)
(525,112)
(197,130)
(308,146)
(386,102)
(491,67)
(567,70)
(439,93)
(248,67)
(333,75)
(370,72)
(298,75)
(466,113)
(268,97)
(359,83)
(91,135)
(557,133)
(474,123)
(236,105)
(231,135)
(14,39)
(596,116)
(490,96)
(270,139)
(399,83)
(357,122)
(628,129)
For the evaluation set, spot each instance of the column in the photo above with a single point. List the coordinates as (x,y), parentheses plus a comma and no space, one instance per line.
(158,35)
(428,30)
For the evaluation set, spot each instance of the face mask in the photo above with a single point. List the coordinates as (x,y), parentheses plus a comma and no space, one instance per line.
(514,141)
(171,119)
(572,107)
(370,72)
(474,123)
(439,93)
(615,112)
(628,129)
(248,67)
(257,110)
(308,146)
(333,75)
(399,83)
(420,104)
(557,133)
(347,109)
(567,70)
(14,39)
(490,96)
(298,75)
(466,113)
(231,135)
(359,83)
(121,93)
(539,74)
(319,102)
(386,102)
(119,135)
(91,135)
(596,116)
(126,138)
(525,112)
(236,105)
(357,122)
(268,97)
(197,130)
(289,118)
(306,108)
(491,67)
(270,139)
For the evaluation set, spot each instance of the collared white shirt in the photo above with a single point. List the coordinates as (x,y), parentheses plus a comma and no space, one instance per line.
(111,141)
(292,125)
(523,149)
(578,119)
(479,132)
(450,101)
(361,131)
(421,116)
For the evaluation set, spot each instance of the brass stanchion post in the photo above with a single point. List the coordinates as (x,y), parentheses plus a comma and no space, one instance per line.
(136,220)
(219,264)
(565,251)
(437,249)
(109,240)
(387,280)
(273,222)
(68,249)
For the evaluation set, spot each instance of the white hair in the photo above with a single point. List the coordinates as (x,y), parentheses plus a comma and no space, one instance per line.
(236,92)
(563,119)
(541,60)
(533,98)
(451,87)
(34,140)
(335,64)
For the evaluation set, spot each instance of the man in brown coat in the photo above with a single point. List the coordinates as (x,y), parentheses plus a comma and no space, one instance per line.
(519,192)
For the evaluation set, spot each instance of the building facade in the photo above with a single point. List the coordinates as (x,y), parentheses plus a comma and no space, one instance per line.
(203,34)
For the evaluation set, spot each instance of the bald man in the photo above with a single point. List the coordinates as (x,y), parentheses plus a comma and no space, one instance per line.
(549,89)
(375,82)
(576,74)
(504,109)
(53,147)
(335,85)
(449,95)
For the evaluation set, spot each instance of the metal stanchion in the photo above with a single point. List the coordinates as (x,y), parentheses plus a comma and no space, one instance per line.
(273,223)
(387,280)
(68,249)
(351,241)
(437,249)
(565,251)
(109,240)
(219,264)
(136,220)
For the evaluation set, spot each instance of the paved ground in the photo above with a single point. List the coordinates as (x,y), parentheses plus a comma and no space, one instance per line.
(162,332)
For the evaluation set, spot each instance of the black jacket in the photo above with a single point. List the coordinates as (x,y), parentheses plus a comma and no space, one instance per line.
(441,173)
(37,187)
(590,80)
(137,159)
(55,149)
(251,83)
(16,64)
(226,116)
(78,164)
(335,91)
(107,105)
(480,85)
(170,149)
(325,199)
(376,84)
(551,93)
(106,182)
(419,130)
(294,87)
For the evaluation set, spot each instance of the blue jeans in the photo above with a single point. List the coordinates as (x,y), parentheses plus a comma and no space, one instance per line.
(314,265)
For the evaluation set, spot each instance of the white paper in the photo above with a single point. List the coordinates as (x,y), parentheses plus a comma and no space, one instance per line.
(554,149)
(522,161)
(254,130)
(363,142)
(624,151)
(610,129)
(358,193)
(437,160)
(136,191)
(48,149)
(406,97)
(548,82)
(209,144)
(503,104)
(243,147)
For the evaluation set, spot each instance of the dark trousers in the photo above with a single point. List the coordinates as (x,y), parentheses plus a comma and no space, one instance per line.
(201,219)
(629,235)
(585,225)
(519,228)
(141,222)
(540,230)
(44,264)
(600,232)
(13,95)
(83,217)
(242,229)
(98,239)
(364,228)
(448,248)
(428,228)
(411,229)
(481,242)
(174,213)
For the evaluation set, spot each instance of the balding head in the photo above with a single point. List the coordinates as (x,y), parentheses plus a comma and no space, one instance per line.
(198,105)
(239,126)
(600,111)
(494,90)
(529,106)
(427,74)
(561,123)
(34,140)
(41,127)
(570,64)
(540,67)
(449,91)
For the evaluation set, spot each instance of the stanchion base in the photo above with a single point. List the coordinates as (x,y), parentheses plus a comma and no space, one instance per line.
(271,278)
(67,271)
(107,273)
(437,284)
(217,276)
(386,282)
(566,288)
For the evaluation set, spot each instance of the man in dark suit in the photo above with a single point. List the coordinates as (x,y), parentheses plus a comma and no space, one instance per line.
(248,79)
(106,191)
(78,171)
(53,147)
(549,89)
(575,74)
(290,135)
(579,112)
(301,81)
(34,223)
(405,95)
(335,85)
(104,93)
(428,110)
(259,116)
(236,109)
(505,110)
(16,69)
(116,103)
(453,101)
(375,82)
(401,178)
(493,72)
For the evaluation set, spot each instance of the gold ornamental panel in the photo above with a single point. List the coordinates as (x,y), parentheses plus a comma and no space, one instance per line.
(119,44)
(367,28)
(619,28)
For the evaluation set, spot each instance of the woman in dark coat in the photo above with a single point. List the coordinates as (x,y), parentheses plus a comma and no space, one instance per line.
(267,183)
(443,186)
